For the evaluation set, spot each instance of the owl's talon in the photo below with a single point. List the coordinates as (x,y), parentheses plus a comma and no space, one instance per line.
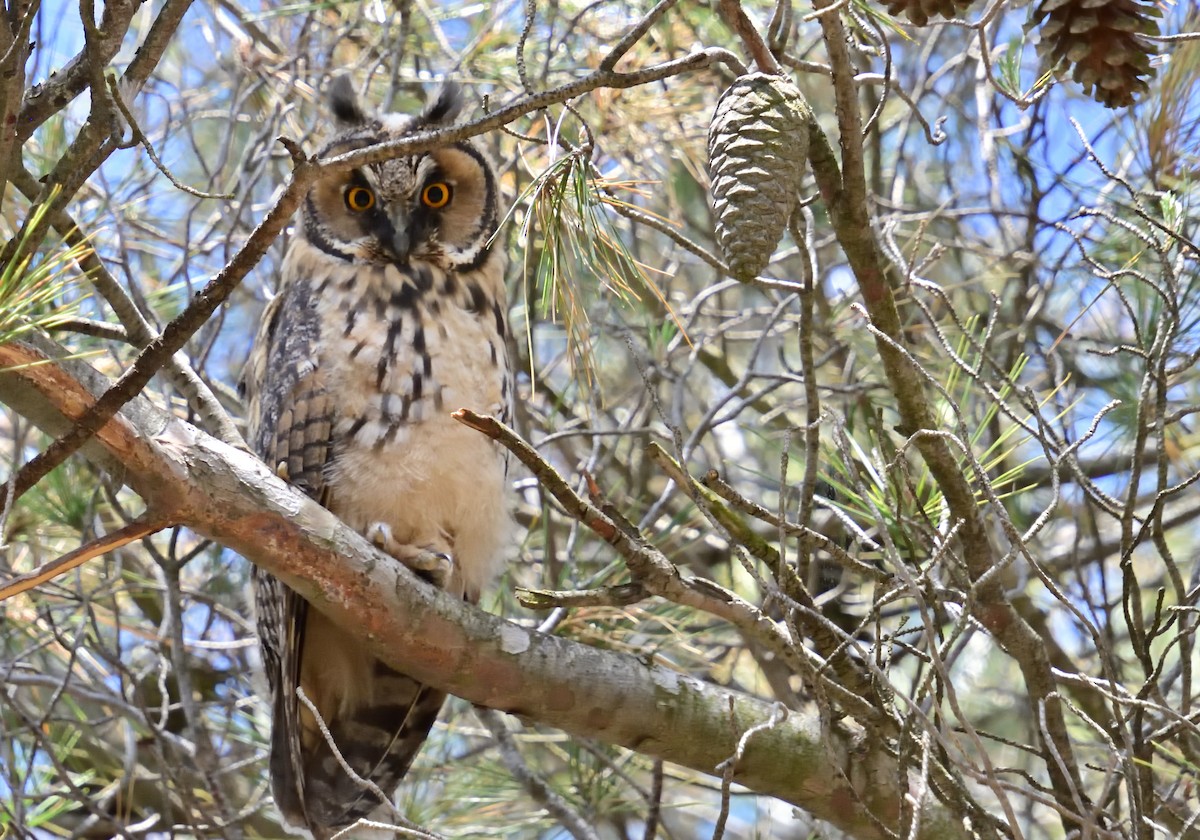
(427,561)
(381,537)
(433,566)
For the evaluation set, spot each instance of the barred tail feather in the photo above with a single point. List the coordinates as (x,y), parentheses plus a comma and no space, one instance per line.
(378,741)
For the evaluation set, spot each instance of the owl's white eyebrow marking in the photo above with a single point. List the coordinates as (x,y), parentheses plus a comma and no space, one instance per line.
(427,164)
(366,176)
(398,123)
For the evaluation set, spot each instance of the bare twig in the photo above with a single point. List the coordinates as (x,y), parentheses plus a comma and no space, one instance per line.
(735,16)
(537,788)
(56,568)
(726,767)
(114,90)
(651,569)
(621,595)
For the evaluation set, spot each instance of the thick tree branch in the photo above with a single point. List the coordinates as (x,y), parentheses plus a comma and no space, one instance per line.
(228,495)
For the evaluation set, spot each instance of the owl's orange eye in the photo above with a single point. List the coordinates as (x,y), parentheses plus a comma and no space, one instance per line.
(359,199)
(436,195)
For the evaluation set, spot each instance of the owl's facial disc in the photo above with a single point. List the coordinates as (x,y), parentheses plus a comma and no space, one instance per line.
(441,207)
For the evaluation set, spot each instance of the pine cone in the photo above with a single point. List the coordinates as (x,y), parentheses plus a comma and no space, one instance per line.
(757,149)
(1102,40)
(919,11)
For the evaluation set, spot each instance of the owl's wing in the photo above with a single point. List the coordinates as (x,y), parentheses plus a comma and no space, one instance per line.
(291,415)
(290,428)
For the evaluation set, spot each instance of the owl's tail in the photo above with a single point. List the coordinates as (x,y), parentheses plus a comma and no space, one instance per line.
(378,741)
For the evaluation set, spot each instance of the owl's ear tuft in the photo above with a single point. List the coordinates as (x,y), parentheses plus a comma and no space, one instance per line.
(343,102)
(444,107)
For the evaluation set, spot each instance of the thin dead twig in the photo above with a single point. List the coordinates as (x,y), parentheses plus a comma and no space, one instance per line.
(365,784)
(139,136)
(649,566)
(779,714)
(621,595)
(735,17)
(535,785)
(132,532)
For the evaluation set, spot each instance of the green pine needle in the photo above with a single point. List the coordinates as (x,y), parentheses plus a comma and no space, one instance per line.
(33,290)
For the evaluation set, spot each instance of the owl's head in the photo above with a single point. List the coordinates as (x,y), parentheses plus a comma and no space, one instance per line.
(440,207)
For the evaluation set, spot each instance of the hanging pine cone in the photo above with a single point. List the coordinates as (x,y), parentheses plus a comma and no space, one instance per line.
(1101,43)
(920,11)
(757,149)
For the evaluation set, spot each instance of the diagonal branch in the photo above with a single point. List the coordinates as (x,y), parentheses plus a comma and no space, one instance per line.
(47,572)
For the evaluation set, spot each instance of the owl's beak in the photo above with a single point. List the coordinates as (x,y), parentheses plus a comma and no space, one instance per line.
(401,240)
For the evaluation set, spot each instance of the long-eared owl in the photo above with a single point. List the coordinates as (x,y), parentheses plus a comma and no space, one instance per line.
(390,314)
